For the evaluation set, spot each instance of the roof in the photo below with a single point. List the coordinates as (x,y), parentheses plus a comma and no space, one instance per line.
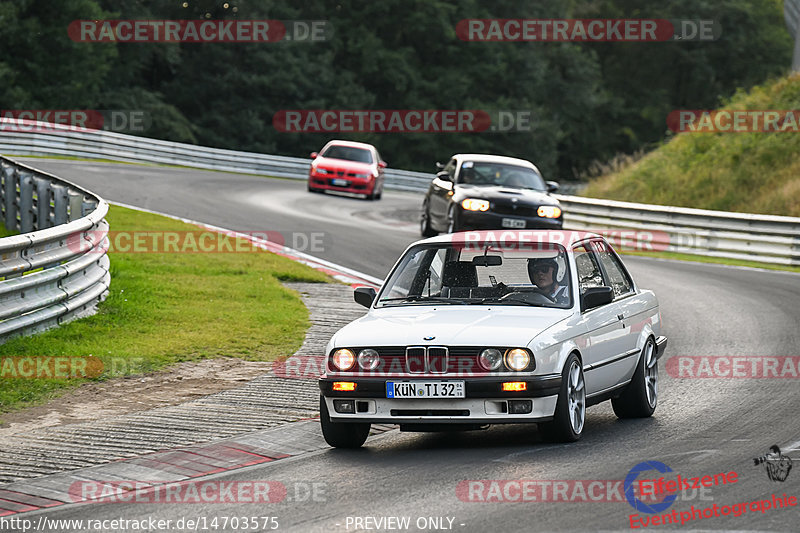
(354,144)
(505,237)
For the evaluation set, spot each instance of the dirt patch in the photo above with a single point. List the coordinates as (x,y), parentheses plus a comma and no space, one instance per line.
(181,383)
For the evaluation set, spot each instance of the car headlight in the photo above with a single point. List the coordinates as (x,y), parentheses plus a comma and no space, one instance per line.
(368,359)
(320,171)
(517,359)
(549,211)
(491,359)
(473,204)
(343,359)
(362,176)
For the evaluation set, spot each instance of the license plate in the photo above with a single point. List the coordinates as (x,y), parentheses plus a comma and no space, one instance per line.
(424,389)
(513,223)
(340,183)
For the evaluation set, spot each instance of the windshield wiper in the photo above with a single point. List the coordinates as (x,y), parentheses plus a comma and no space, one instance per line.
(502,300)
(421,298)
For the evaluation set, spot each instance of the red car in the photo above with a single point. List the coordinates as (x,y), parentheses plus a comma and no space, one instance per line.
(347,166)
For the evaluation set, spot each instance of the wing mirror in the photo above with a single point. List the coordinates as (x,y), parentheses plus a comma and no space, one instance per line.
(383,164)
(595,297)
(314,155)
(364,296)
(439,165)
(444,175)
(552,186)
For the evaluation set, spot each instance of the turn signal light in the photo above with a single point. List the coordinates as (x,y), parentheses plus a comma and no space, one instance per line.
(344,386)
(512,386)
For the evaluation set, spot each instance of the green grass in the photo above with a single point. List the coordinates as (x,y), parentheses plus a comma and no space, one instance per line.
(746,172)
(4,232)
(169,307)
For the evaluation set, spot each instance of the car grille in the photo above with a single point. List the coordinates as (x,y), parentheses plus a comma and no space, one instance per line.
(440,360)
(515,209)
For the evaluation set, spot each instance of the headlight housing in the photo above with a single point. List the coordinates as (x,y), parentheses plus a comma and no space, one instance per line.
(362,176)
(320,171)
(549,211)
(490,359)
(368,359)
(517,359)
(473,204)
(343,359)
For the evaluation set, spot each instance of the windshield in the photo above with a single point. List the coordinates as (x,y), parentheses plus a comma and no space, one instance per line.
(480,273)
(348,153)
(513,176)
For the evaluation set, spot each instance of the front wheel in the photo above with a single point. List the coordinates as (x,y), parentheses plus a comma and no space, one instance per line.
(570,416)
(341,435)
(425,228)
(640,397)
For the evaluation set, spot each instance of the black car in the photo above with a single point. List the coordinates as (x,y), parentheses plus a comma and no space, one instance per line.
(479,191)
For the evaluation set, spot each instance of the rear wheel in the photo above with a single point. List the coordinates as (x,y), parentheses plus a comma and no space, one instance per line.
(341,435)
(570,416)
(640,397)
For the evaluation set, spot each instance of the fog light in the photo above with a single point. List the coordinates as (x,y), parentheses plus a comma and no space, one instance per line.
(346,386)
(511,386)
(347,407)
(520,407)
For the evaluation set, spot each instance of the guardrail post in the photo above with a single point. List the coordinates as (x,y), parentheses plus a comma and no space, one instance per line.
(60,204)
(75,206)
(25,203)
(43,192)
(10,179)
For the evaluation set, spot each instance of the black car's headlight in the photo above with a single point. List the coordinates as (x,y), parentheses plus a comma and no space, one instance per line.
(549,211)
(473,204)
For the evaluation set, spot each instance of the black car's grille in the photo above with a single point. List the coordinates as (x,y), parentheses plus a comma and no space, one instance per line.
(514,209)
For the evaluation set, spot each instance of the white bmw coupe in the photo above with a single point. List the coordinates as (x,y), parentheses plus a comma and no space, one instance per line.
(480,328)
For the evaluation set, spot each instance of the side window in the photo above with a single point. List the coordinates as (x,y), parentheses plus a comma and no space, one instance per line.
(618,277)
(589,274)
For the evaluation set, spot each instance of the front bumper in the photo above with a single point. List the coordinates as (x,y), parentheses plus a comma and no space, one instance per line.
(484,402)
(477,220)
(355,185)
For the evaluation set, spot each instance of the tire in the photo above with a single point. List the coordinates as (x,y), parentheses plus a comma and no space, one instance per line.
(343,435)
(452,220)
(380,194)
(425,228)
(640,397)
(570,416)
(313,189)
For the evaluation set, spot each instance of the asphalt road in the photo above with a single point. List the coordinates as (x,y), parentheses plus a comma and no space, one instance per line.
(701,427)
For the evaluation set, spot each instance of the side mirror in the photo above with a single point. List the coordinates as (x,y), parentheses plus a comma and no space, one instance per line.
(382,164)
(440,166)
(552,186)
(314,155)
(444,175)
(364,296)
(595,297)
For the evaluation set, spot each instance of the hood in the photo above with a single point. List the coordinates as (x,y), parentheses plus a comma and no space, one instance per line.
(497,193)
(465,325)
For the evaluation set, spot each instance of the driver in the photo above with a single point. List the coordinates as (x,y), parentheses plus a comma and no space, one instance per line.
(544,274)
(515,180)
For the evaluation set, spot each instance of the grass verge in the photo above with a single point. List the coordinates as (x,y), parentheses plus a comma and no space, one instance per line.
(164,308)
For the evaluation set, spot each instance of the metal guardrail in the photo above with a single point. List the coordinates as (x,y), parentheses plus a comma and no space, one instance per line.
(764,238)
(56,269)
(769,239)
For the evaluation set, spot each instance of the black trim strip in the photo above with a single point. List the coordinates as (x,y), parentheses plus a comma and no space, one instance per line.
(589,368)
